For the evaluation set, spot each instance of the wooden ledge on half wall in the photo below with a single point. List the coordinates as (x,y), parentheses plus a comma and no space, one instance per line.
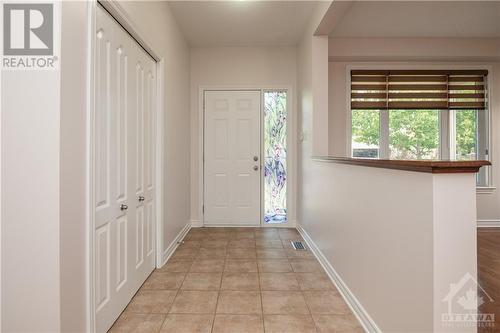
(429,166)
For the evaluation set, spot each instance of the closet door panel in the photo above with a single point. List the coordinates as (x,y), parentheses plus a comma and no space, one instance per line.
(124,93)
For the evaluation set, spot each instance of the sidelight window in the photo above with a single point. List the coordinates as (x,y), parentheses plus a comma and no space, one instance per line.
(275,153)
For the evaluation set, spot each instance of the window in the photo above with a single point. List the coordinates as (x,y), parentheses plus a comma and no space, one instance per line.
(365,133)
(413,134)
(420,114)
(275,166)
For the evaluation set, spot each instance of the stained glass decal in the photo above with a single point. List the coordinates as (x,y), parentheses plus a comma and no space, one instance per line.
(275,171)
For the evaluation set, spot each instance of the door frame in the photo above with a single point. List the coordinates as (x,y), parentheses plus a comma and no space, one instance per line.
(120,15)
(291,151)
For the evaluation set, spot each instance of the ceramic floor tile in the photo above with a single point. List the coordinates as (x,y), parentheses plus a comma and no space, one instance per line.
(187,323)
(238,324)
(274,266)
(314,281)
(242,243)
(185,253)
(326,302)
(239,253)
(212,253)
(243,235)
(266,233)
(241,266)
(220,230)
(269,243)
(202,281)
(240,281)
(195,302)
(278,281)
(175,267)
(158,280)
(239,302)
(284,302)
(207,265)
(216,242)
(152,301)
(138,323)
(298,254)
(222,236)
(289,234)
(271,253)
(245,229)
(337,324)
(269,236)
(282,283)
(289,324)
(305,266)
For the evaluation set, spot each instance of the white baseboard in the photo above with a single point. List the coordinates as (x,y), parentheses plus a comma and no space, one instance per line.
(488,223)
(199,224)
(175,243)
(364,318)
(196,224)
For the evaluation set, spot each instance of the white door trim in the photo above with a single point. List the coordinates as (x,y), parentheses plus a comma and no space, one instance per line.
(291,153)
(119,14)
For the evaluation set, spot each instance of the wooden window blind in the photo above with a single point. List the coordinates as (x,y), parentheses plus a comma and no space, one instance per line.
(418,89)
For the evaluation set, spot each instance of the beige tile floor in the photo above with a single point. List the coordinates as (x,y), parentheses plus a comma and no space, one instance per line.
(238,280)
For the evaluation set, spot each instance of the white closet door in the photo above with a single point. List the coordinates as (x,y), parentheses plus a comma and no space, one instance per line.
(123,169)
(142,159)
(232,158)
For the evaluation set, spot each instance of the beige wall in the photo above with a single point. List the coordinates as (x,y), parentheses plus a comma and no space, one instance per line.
(306,51)
(30,158)
(73,203)
(404,53)
(371,261)
(238,67)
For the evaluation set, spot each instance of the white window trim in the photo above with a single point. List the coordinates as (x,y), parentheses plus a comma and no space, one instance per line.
(485,189)
(445,132)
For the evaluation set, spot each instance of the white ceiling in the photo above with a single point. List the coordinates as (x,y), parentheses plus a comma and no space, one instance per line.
(420,19)
(242,23)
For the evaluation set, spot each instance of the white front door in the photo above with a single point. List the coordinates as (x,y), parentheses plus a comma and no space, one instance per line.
(125,90)
(232,158)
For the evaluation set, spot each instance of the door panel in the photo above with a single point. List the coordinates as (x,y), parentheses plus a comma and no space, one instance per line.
(121,252)
(124,103)
(232,139)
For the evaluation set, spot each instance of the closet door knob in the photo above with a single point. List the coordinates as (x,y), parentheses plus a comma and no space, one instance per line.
(141,198)
(123,207)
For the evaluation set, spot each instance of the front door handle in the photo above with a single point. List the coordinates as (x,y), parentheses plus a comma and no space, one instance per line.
(255,168)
